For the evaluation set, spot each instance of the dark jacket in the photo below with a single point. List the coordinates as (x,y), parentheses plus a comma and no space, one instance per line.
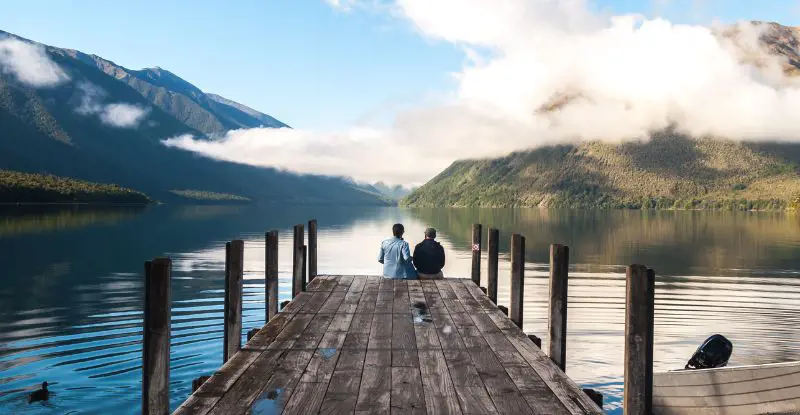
(429,257)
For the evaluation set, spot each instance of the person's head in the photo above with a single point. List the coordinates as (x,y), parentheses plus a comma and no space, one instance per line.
(398,230)
(430,233)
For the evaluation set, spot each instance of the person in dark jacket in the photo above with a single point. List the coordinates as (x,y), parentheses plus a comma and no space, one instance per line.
(429,257)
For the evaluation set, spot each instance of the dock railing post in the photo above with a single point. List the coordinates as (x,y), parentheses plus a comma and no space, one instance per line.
(557,322)
(271,274)
(303,267)
(234,272)
(491,274)
(639,311)
(298,274)
(297,251)
(517,278)
(477,230)
(157,326)
(312,249)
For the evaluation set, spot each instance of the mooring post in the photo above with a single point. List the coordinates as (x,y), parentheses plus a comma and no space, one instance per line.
(517,278)
(304,267)
(557,323)
(312,249)
(271,275)
(477,230)
(157,326)
(640,284)
(298,273)
(299,236)
(234,273)
(491,273)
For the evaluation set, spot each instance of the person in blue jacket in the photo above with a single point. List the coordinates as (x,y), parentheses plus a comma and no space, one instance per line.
(396,256)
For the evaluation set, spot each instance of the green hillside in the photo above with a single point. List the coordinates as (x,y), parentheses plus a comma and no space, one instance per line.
(43,131)
(669,171)
(16,187)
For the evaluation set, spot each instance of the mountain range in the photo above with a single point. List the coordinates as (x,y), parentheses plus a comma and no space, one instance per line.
(105,124)
(669,170)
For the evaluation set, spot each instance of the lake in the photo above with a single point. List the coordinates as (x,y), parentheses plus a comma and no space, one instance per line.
(71,286)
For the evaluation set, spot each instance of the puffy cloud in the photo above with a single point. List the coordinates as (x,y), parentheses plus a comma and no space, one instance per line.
(29,63)
(539,72)
(120,114)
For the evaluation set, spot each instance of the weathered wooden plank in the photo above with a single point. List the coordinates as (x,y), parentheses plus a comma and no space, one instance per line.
(440,395)
(375,392)
(333,302)
(286,374)
(539,396)
(247,387)
(156,333)
(353,296)
(385,302)
(380,341)
(318,299)
(400,301)
(562,386)
(404,344)
(342,393)
(308,397)
(343,282)
(407,395)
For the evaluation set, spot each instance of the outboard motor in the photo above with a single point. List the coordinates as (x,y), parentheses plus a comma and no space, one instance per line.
(714,352)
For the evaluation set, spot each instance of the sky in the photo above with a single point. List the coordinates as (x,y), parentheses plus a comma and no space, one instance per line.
(396,90)
(304,62)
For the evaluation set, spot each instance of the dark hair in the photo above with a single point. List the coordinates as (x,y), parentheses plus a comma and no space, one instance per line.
(398,230)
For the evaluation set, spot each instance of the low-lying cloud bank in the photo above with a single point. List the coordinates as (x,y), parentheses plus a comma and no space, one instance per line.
(541,72)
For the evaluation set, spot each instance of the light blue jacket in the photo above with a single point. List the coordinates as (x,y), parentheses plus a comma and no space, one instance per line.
(396,259)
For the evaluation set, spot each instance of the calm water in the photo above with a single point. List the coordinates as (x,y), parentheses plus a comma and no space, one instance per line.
(71,286)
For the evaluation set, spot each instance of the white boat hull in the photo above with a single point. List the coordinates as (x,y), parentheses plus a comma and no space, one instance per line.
(745,390)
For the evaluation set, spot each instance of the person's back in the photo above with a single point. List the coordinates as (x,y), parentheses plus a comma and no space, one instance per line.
(429,257)
(395,256)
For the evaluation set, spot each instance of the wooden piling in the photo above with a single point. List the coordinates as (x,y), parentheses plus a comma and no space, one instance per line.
(234,272)
(312,249)
(637,400)
(477,230)
(517,278)
(491,273)
(157,327)
(304,267)
(299,236)
(557,322)
(271,274)
(299,273)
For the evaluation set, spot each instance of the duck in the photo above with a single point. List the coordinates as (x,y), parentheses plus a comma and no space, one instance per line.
(39,395)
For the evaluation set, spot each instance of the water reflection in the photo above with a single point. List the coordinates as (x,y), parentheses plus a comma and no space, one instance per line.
(71,293)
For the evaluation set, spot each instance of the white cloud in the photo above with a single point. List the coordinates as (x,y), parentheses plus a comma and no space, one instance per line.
(345,5)
(29,63)
(626,76)
(123,115)
(120,115)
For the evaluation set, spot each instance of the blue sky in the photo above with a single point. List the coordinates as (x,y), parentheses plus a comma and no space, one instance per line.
(303,61)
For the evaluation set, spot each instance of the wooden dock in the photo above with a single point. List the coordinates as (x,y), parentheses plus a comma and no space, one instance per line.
(357,344)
